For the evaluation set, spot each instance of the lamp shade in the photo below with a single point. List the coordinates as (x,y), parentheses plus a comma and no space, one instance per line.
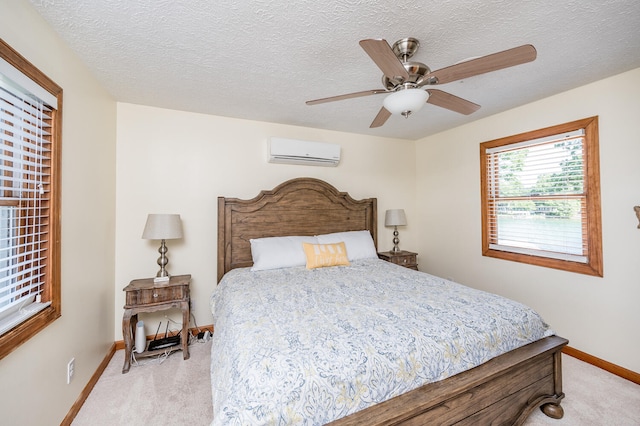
(395,218)
(162,227)
(405,101)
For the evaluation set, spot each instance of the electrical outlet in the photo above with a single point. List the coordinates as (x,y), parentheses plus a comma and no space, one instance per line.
(70,369)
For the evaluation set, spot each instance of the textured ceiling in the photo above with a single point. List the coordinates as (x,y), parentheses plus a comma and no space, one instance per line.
(262,59)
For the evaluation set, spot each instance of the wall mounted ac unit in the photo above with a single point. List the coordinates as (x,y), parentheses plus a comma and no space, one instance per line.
(293,151)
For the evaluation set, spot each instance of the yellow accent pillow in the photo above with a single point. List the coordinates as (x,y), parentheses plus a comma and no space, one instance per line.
(321,255)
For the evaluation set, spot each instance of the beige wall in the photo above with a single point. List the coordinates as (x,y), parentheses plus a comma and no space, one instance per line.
(178,162)
(598,315)
(169,161)
(85,330)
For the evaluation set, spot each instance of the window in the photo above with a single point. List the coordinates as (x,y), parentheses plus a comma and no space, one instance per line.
(541,198)
(30,124)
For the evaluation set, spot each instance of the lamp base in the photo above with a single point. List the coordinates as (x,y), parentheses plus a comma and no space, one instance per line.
(396,240)
(161,279)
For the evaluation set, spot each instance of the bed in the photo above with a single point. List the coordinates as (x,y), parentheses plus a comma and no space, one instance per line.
(284,348)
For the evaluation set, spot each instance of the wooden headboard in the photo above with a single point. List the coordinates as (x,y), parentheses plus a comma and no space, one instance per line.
(302,206)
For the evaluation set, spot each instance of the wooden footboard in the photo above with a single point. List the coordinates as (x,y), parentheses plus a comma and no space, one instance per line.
(504,390)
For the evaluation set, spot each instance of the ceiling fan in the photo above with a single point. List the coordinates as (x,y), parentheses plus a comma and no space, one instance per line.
(403,80)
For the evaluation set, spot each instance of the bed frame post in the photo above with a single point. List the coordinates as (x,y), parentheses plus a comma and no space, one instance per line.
(554,409)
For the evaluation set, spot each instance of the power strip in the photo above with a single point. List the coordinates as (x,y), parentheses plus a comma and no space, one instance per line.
(204,336)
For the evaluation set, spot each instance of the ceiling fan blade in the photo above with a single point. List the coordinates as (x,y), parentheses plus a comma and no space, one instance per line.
(493,62)
(381,118)
(451,102)
(347,96)
(382,54)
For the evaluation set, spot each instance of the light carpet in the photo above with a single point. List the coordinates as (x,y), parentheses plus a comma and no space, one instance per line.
(177,392)
(164,391)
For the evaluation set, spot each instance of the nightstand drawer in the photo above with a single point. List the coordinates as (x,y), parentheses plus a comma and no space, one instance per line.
(147,292)
(156,295)
(404,260)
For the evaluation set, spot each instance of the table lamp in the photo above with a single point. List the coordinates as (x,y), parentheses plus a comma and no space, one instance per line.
(162,227)
(395,218)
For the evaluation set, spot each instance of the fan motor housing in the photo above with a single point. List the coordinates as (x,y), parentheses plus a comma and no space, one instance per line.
(417,72)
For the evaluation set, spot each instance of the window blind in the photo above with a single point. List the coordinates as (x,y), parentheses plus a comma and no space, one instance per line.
(25,154)
(537,198)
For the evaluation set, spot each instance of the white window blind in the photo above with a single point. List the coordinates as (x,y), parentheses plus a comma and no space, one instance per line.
(536,197)
(25,154)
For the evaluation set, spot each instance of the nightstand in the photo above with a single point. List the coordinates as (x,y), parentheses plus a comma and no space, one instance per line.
(145,295)
(402,258)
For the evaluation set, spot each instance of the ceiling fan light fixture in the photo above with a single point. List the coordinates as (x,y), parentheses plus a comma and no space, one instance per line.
(406,101)
(402,80)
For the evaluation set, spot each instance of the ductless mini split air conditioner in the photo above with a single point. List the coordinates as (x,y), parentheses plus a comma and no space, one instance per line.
(293,151)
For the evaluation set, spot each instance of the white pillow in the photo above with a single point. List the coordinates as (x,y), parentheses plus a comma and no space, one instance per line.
(359,243)
(279,252)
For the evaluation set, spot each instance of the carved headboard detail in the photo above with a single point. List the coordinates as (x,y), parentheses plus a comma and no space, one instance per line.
(302,206)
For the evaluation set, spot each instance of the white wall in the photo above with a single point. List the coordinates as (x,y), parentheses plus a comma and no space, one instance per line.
(85,330)
(179,162)
(598,315)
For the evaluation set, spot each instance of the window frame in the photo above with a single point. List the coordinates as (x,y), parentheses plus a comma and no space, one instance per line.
(22,332)
(594,263)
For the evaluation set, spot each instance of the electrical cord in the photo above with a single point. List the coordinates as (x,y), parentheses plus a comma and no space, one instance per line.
(195,323)
(158,359)
(202,336)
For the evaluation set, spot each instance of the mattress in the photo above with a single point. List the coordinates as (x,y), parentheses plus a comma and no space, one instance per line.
(298,346)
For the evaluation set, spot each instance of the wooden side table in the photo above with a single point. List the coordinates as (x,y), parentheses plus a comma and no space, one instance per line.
(402,257)
(144,295)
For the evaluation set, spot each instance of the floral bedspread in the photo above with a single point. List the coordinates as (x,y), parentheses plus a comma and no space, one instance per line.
(298,346)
